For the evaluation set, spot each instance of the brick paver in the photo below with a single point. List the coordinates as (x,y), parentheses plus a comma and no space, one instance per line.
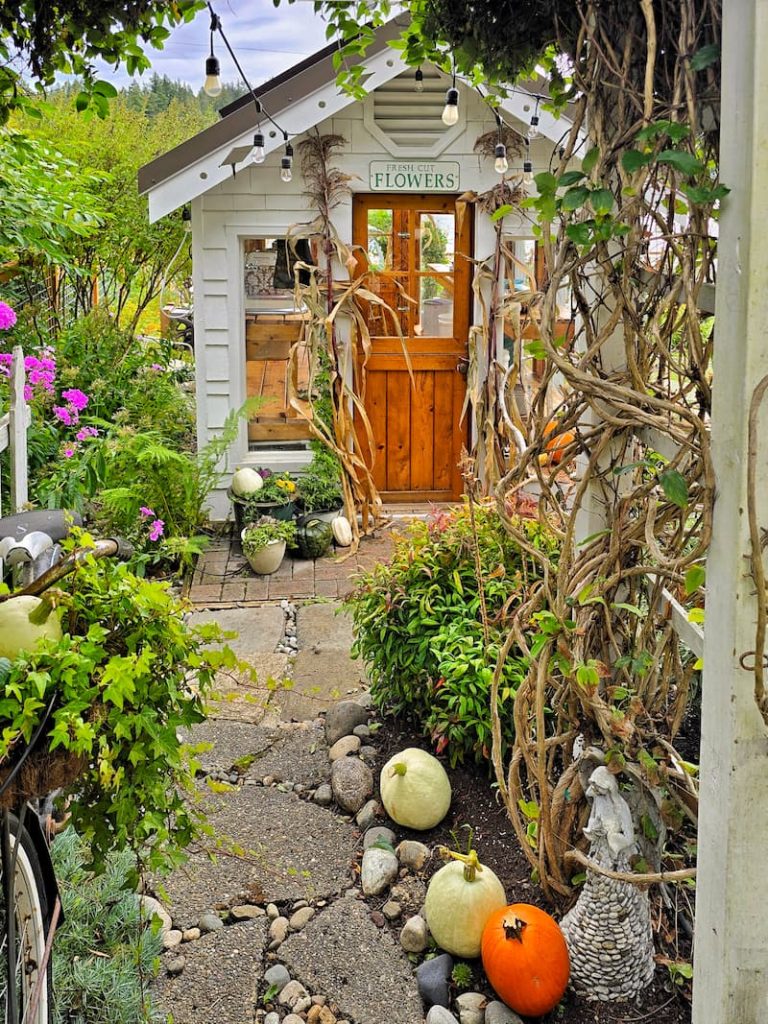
(222,576)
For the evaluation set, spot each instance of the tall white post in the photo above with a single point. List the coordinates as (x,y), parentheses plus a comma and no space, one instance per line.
(17,429)
(731,941)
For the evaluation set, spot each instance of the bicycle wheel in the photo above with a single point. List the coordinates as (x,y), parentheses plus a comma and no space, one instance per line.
(31,921)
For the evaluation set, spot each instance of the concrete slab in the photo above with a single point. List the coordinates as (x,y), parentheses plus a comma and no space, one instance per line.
(239,699)
(220,979)
(321,677)
(293,850)
(298,753)
(324,626)
(231,742)
(358,966)
(259,628)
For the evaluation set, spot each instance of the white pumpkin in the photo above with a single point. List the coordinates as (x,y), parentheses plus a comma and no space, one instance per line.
(415,789)
(460,899)
(342,531)
(17,633)
(246,481)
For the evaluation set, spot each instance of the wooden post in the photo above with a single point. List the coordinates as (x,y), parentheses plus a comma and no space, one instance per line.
(731,940)
(17,430)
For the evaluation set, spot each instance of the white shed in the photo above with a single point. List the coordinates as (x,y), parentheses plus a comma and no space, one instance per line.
(409,171)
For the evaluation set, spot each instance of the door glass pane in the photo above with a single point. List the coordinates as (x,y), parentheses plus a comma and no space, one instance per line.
(380,239)
(435,306)
(436,234)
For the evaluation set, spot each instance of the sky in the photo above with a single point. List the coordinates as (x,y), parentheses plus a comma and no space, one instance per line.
(267,40)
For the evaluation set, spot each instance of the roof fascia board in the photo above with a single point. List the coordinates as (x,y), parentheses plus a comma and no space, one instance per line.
(187,184)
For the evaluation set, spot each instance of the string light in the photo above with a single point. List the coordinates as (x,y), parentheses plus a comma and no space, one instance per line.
(451,108)
(258,155)
(527,166)
(419,80)
(500,164)
(533,131)
(286,164)
(212,83)
(186,218)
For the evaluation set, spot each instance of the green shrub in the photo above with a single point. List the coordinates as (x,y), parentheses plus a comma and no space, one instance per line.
(418,627)
(102,950)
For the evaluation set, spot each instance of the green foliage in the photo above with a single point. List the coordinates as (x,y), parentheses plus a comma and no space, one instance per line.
(419,630)
(461,976)
(320,483)
(278,488)
(103,949)
(129,673)
(257,535)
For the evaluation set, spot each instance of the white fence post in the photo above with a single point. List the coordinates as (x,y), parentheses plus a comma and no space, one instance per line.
(18,421)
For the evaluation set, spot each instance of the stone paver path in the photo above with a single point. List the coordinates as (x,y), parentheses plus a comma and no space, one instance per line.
(285,878)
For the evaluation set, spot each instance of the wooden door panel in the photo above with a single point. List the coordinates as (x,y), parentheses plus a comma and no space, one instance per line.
(422,430)
(398,456)
(376,408)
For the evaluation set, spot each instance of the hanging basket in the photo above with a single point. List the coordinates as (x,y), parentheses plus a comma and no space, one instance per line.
(41,773)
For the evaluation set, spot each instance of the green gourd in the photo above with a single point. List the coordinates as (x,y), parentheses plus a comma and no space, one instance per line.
(313,537)
(24,621)
(415,789)
(461,898)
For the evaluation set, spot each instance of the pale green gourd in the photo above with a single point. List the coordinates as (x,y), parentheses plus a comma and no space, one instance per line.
(17,633)
(245,482)
(342,531)
(460,899)
(415,789)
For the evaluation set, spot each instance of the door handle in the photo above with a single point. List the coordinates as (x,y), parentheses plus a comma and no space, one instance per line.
(462,367)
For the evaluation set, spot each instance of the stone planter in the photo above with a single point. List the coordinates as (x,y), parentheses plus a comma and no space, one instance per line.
(267,559)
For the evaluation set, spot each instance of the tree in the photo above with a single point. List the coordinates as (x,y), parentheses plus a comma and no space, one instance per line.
(67,36)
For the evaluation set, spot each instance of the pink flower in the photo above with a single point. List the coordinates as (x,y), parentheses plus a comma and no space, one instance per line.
(146,513)
(63,414)
(28,393)
(76,398)
(69,451)
(7,317)
(85,432)
(156,367)
(156,529)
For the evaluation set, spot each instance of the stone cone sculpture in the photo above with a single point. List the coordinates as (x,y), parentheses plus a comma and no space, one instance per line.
(608,930)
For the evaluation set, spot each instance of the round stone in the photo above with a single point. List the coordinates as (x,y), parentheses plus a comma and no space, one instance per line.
(379,870)
(278,976)
(210,923)
(344,747)
(301,918)
(351,782)
(414,936)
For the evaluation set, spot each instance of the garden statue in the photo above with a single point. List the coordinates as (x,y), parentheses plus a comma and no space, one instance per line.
(608,931)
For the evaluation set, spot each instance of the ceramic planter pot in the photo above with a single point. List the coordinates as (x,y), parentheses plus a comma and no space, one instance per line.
(267,559)
(256,509)
(326,515)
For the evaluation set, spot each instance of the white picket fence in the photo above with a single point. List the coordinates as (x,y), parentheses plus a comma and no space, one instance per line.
(13,434)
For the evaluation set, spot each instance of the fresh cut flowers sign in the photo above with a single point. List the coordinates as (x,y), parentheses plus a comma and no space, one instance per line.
(414,176)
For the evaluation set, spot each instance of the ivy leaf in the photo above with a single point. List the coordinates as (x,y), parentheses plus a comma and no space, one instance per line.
(545,182)
(590,160)
(502,211)
(702,194)
(675,488)
(570,178)
(694,578)
(581,234)
(686,163)
(106,88)
(633,160)
(574,198)
(602,200)
(706,56)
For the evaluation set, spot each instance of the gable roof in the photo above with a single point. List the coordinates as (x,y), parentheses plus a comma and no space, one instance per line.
(301,97)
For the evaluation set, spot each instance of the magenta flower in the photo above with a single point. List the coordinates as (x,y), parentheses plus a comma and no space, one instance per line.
(156,529)
(28,393)
(7,317)
(85,432)
(76,398)
(69,451)
(156,367)
(146,513)
(64,415)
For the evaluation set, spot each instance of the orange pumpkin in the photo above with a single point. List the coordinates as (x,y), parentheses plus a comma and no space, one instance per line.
(525,958)
(556,444)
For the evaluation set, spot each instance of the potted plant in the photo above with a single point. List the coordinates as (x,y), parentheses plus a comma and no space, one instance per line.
(264,543)
(320,487)
(276,498)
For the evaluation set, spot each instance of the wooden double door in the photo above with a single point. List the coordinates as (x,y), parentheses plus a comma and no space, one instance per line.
(414,251)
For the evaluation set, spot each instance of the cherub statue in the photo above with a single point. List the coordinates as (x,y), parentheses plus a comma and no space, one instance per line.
(609,830)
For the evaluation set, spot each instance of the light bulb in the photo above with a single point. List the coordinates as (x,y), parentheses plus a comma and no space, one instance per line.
(186,218)
(212,83)
(451,108)
(528,172)
(258,155)
(501,165)
(419,80)
(533,131)
(285,169)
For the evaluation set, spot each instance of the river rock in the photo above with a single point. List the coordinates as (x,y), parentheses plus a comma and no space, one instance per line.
(344,747)
(301,917)
(367,814)
(210,923)
(412,854)
(246,912)
(499,1013)
(150,907)
(414,936)
(471,1007)
(294,995)
(352,783)
(439,1015)
(432,977)
(278,976)
(377,832)
(342,719)
(323,795)
(279,929)
(379,870)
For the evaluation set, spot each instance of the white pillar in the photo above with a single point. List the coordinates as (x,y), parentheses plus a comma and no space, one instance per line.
(731,954)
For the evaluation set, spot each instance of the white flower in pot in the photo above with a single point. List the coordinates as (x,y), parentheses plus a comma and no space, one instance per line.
(264,543)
